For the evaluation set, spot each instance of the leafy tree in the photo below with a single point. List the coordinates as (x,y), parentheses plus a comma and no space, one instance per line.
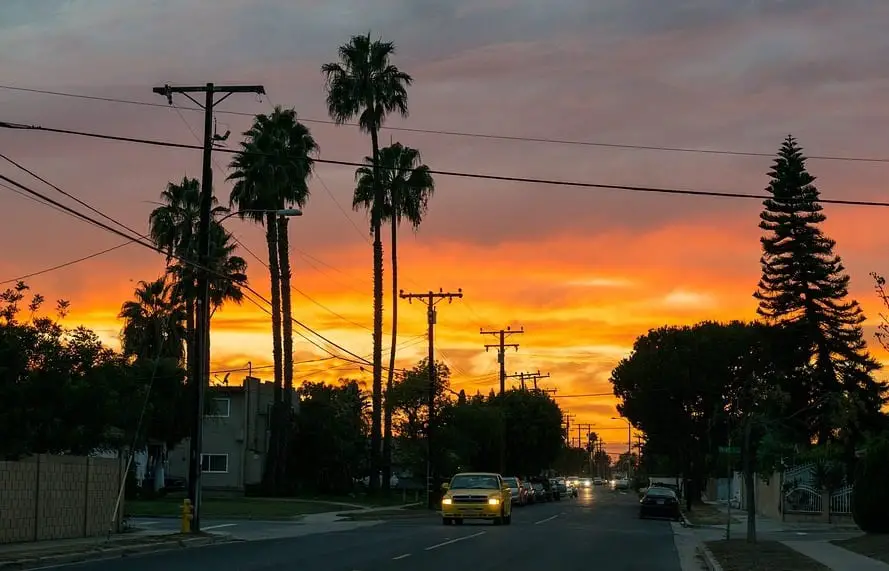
(804,282)
(689,389)
(409,400)
(330,435)
(870,496)
(271,172)
(64,392)
(366,85)
(533,426)
(407,186)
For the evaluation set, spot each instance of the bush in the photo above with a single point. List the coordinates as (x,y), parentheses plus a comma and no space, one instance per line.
(870,496)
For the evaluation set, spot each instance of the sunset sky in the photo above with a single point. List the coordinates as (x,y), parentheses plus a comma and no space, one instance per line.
(584,271)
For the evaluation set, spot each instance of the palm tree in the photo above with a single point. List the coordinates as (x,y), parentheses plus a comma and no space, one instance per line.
(173,227)
(407,186)
(271,172)
(153,322)
(364,84)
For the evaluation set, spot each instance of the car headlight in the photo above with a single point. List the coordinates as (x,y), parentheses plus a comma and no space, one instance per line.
(493,501)
(446,501)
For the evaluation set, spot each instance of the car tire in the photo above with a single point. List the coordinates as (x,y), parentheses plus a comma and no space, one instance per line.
(447,521)
(507,520)
(458,521)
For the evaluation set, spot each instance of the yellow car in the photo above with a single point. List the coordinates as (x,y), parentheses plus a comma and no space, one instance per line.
(476,495)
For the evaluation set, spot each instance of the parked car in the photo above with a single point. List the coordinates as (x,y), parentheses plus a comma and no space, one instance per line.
(519,494)
(659,502)
(528,491)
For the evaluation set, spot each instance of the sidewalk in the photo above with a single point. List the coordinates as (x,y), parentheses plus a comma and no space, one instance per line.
(816,545)
(65,551)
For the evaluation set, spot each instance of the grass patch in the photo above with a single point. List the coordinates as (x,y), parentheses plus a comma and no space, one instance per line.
(738,555)
(705,514)
(235,508)
(873,546)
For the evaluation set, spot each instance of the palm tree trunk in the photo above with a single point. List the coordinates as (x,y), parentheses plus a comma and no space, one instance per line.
(287,327)
(387,418)
(189,338)
(272,460)
(377,397)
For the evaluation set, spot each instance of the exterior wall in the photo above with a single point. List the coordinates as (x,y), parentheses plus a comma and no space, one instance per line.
(242,436)
(58,497)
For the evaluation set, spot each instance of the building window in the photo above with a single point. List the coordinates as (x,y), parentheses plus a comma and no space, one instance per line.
(214,463)
(220,408)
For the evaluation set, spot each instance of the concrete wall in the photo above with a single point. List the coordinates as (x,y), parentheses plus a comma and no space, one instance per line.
(58,497)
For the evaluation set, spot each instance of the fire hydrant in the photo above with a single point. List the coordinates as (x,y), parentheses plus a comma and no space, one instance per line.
(187,515)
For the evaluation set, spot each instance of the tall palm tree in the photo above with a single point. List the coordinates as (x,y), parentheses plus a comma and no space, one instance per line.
(364,84)
(407,187)
(271,172)
(173,226)
(153,322)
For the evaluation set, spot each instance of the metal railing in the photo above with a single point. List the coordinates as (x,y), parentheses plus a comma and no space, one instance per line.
(803,499)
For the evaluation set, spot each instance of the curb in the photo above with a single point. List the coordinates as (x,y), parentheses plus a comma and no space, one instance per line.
(709,559)
(98,554)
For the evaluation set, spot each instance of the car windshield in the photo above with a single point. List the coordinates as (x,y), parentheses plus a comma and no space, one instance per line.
(511,482)
(474,481)
(660,492)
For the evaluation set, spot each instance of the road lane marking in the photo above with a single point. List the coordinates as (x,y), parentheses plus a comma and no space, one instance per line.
(221,525)
(401,557)
(450,541)
(546,520)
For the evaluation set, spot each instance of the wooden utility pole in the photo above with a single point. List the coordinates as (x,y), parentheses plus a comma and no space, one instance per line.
(501,350)
(200,372)
(568,418)
(431,299)
(501,358)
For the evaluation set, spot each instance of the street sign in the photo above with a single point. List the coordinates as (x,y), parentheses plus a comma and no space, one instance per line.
(729,450)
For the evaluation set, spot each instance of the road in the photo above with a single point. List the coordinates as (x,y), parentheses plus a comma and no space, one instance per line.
(598,528)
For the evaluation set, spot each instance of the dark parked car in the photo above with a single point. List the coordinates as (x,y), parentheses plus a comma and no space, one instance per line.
(659,502)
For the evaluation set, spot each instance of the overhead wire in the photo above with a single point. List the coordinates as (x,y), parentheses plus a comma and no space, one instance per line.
(458,174)
(468,134)
(151,246)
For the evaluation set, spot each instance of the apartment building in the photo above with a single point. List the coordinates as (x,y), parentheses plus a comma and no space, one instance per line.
(236,436)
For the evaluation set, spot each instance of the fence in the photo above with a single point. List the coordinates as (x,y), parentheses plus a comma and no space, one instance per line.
(58,497)
(803,500)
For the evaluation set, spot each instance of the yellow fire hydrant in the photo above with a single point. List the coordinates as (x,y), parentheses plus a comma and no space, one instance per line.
(187,515)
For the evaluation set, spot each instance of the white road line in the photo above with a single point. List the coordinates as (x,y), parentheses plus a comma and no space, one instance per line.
(221,525)
(401,557)
(546,520)
(442,544)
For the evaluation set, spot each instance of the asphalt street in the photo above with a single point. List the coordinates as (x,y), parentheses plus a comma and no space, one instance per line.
(600,528)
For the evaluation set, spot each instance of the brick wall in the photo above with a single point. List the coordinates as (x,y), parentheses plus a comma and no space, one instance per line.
(58,497)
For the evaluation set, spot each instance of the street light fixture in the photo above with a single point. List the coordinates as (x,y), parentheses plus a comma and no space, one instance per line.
(629,442)
(282,212)
(202,335)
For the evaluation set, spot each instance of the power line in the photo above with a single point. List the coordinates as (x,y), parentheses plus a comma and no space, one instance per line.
(474,135)
(154,248)
(458,174)
(66,264)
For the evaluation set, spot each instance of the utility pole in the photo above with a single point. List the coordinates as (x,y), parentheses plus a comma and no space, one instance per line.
(201,370)
(581,428)
(431,299)
(501,350)
(501,358)
(520,376)
(568,418)
(536,377)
